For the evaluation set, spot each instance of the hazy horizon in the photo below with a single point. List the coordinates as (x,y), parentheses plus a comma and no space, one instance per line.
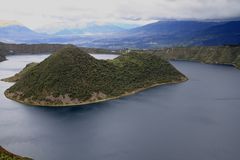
(49,15)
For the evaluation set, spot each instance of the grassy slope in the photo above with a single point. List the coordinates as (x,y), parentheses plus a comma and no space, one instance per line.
(73,74)
(212,55)
(5,155)
(19,75)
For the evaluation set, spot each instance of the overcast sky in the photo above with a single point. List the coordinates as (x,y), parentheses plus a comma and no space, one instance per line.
(73,13)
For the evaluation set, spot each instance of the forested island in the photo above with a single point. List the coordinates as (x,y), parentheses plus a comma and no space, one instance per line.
(73,77)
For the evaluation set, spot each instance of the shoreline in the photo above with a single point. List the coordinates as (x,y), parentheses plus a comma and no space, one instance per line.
(202,62)
(184,79)
(5,154)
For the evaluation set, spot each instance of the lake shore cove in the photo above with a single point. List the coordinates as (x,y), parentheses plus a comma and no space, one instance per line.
(73,77)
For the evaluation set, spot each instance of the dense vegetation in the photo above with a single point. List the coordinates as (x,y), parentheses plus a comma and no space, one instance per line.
(19,75)
(5,155)
(213,55)
(71,76)
(229,55)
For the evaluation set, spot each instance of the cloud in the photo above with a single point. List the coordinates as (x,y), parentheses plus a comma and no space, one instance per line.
(72,13)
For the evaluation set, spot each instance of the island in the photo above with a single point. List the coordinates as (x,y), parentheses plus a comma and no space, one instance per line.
(5,155)
(71,76)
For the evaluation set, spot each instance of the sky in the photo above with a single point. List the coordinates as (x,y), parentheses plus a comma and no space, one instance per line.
(48,14)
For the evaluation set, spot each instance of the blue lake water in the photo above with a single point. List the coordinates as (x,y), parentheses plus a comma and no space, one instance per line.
(195,120)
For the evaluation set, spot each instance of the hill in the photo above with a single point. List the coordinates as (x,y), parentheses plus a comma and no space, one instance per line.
(18,33)
(229,55)
(226,55)
(174,33)
(218,35)
(73,77)
(19,75)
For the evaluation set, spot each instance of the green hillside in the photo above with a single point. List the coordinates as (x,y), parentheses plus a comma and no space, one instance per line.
(71,77)
(5,155)
(212,55)
(19,75)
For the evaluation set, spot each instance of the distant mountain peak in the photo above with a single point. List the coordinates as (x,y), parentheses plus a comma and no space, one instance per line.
(18,33)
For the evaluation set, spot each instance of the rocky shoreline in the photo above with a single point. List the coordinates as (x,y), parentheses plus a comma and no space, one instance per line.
(47,104)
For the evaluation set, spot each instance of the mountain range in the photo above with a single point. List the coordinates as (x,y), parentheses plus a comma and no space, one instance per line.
(154,35)
(90,30)
(18,33)
(175,33)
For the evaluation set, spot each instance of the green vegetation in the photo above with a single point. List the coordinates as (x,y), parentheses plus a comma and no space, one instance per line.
(212,55)
(229,55)
(237,62)
(19,75)
(73,77)
(5,155)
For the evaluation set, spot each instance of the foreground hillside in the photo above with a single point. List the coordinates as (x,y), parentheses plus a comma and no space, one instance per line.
(73,77)
(5,155)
